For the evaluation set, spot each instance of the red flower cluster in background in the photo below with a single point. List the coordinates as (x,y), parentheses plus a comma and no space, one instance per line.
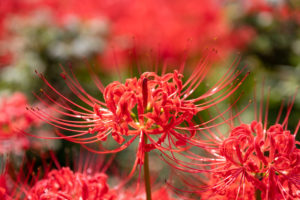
(13,115)
(149,27)
(8,8)
(281,10)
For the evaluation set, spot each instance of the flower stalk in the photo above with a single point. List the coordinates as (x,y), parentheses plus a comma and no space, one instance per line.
(146,159)
(147,173)
(258,194)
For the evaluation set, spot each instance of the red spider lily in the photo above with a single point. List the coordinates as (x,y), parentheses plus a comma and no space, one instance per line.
(156,108)
(65,184)
(267,158)
(87,181)
(13,114)
(254,156)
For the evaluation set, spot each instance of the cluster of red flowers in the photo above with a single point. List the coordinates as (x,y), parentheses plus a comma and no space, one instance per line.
(178,22)
(162,110)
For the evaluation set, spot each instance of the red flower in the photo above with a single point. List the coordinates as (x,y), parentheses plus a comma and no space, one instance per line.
(178,22)
(264,158)
(157,108)
(65,184)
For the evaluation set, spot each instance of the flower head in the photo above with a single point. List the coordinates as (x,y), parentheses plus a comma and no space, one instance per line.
(268,158)
(253,155)
(157,108)
(151,104)
(65,184)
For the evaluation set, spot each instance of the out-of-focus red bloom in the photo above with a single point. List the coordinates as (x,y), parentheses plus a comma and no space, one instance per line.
(159,108)
(65,184)
(5,58)
(13,114)
(7,9)
(171,28)
(10,7)
(176,21)
(281,10)
(257,6)
(240,37)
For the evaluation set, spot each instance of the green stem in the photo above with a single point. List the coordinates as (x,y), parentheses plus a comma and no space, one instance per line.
(147,173)
(258,194)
